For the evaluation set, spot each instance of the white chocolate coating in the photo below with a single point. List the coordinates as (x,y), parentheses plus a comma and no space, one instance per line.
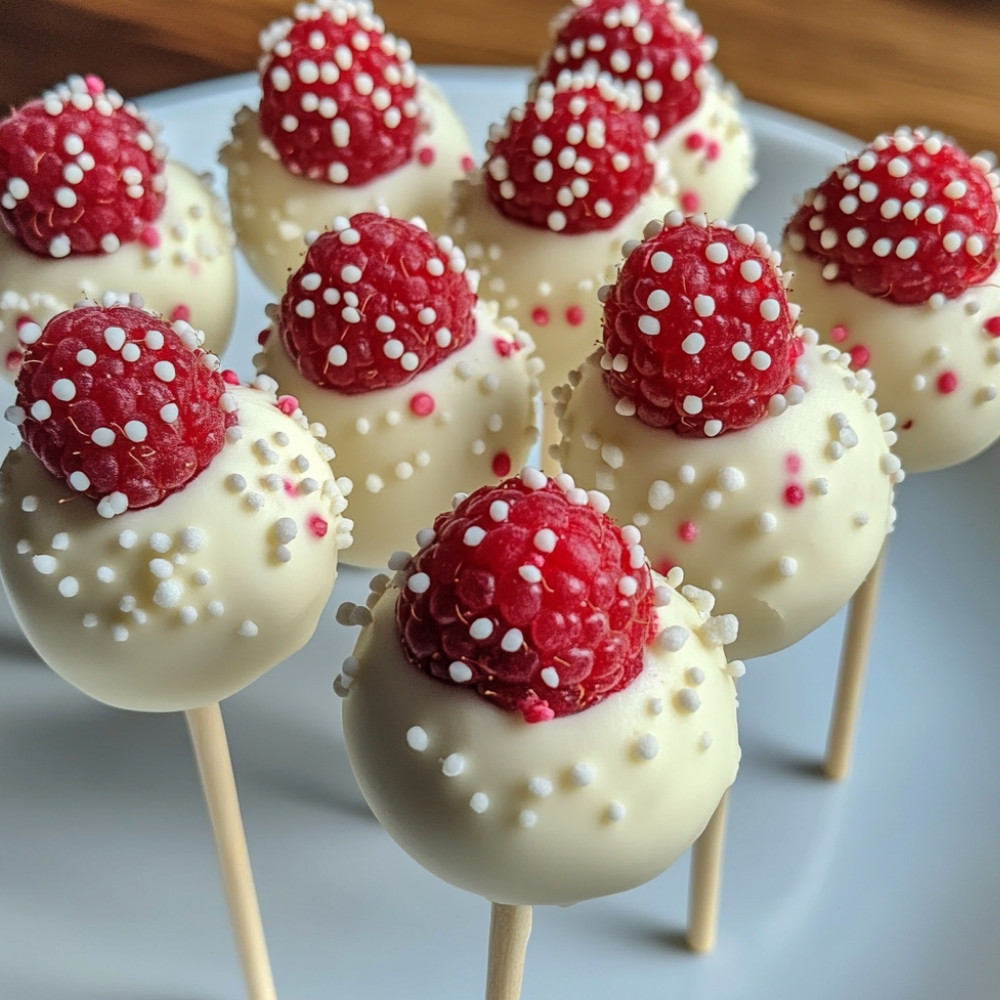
(552,812)
(179,605)
(192,266)
(273,209)
(406,467)
(711,153)
(547,280)
(914,351)
(782,563)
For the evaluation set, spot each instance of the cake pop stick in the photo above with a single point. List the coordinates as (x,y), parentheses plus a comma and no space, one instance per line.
(211,750)
(167,535)
(530,712)
(510,927)
(706,880)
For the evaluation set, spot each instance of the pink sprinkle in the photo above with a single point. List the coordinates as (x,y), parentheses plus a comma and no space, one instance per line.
(859,356)
(422,404)
(467,163)
(537,710)
(794,494)
(23,321)
(906,424)
(992,326)
(793,463)
(425,156)
(230,377)
(94,83)
(574,315)
(663,566)
(947,382)
(264,336)
(688,531)
(505,348)
(689,202)
(712,150)
(180,312)
(500,464)
(150,237)
(317,525)
(838,333)
(694,141)
(13,361)
(288,404)
(291,490)
(540,316)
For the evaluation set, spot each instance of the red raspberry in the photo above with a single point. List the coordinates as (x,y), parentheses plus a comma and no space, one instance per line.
(531,596)
(339,94)
(909,219)
(573,160)
(376,301)
(698,333)
(657,45)
(120,404)
(80,171)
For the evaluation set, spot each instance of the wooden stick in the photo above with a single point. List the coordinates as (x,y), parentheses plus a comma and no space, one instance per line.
(851,676)
(706,877)
(509,930)
(211,750)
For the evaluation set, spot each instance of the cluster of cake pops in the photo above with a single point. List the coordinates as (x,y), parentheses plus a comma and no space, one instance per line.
(547,667)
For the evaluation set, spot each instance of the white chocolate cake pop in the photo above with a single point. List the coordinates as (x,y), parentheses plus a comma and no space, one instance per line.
(166,536)
(346,124)
(894,261)
(689,111)
(422,389)
(746,452)
(91,205)
(530,713)
(567,179)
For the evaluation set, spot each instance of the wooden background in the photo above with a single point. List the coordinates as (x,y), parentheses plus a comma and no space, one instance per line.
(859,65)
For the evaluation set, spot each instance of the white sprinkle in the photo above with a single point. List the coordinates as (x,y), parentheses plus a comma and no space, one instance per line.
(481,628)
(164,371)
(647,746)
(545,540)
(135,430)
(661,261)
(689,700)
(583,774)
(530,574)
(46,565)
(79,481)
(453,765)
(417,739)
(717,253)
(527,818)
(673,638)
(459,672)
(512,641)
(473,536)
(693,343)
(550,677)
(479,802)
(616,812)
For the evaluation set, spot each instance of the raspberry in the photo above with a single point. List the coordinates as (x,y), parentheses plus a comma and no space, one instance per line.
(911,219)
(80,171)
(339,93)
(698,333)
(120,404)
(657,45)
(376,301)
(531,596)
(573,160)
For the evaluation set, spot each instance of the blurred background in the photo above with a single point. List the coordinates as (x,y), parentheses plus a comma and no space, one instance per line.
(863,66)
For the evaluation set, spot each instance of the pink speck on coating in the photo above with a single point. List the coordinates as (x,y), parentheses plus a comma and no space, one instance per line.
(992,326)
(688,531)
(501,464)
(694,141)
(425,156)
(422,404)
(467,163)
(150,237)
(574,315)
(540,316)
(947,382)
(317,525)
(712,151)
(288,404)
(859,356)
(13,361)
(181,312)
(689,202)
(794,495)
(230,377)
(838,333)
(793,463)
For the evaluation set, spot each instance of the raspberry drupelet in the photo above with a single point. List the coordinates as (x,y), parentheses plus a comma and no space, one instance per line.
(525,692)
(745,451)
(91,204)
(894,258)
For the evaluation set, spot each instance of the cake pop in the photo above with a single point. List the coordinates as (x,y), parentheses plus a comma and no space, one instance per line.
(746,451)
(691,114)
(530,712)
(166,536)
(424,388)
(894,260)
(90,204)
(568,177)
(346,124)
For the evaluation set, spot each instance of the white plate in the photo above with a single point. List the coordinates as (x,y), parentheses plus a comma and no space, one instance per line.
(885,886)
